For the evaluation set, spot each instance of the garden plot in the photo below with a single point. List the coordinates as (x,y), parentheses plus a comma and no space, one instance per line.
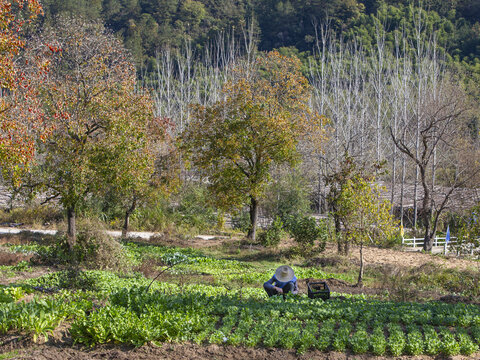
(102,308)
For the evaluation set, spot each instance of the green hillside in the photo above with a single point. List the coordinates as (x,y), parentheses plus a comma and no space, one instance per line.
(149,25)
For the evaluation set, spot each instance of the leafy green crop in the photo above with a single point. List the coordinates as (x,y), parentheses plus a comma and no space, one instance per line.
(119,309)
(325,335)
(414,344)
(449,346)
(11,294)
(359,341)
(467,346)
(432,341)
(341,339)
(396,341)
(378,343)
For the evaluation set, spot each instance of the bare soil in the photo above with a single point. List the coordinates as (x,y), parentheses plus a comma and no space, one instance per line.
(25,237)
(53,349)
(12,259)
(413,259)
(410,259)
(23,275)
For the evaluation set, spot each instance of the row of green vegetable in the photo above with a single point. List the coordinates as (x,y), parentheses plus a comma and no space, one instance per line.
(121,310)
(297,323)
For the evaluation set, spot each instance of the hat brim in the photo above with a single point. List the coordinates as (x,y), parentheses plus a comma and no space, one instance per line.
(284,277)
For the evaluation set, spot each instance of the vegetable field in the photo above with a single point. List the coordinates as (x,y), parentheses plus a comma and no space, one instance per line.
(123,309)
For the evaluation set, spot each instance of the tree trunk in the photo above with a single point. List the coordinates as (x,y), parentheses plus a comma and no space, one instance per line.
(427,211)
(253,218)
(415,210)
(360,272)
(71,230)
(126,223)
(338,235)
(402,190)
(320,186)
(394,173)
(428,239)
(346,247)
(339,245)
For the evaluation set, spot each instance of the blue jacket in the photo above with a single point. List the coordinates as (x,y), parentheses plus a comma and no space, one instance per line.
(274,282)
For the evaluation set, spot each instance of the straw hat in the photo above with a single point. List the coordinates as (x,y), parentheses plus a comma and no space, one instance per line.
(284,273)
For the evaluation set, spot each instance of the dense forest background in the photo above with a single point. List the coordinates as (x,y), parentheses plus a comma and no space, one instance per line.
(146,26)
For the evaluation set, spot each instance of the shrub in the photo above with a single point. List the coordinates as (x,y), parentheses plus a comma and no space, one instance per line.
(392,241)
(189,209)
(288,196)
(273,234)
(305,231)
(155,216)
(36,215)
(97,250)
(241,221)
(194,209)
(94,249)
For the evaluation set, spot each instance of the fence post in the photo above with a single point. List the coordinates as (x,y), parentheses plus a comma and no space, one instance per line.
(445,248)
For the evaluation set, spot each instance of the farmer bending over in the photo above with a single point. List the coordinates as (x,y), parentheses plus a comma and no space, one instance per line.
(282,282)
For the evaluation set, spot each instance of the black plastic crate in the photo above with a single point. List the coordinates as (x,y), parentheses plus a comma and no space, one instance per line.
(318,290)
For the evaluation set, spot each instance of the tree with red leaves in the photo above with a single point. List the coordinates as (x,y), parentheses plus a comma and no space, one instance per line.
(21,119)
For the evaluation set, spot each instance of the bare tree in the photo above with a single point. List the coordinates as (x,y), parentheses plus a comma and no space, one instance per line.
(186,77)
(436,128)
(383,100)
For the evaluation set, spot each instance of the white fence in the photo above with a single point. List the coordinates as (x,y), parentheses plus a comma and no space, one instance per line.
(441,246)
(437,241)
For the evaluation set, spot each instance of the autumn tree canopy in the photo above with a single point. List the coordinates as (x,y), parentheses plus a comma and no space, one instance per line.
(100,120)
(20,116)
(263,115)
(142,172)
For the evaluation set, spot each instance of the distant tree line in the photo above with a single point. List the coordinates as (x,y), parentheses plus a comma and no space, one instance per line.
(146,26)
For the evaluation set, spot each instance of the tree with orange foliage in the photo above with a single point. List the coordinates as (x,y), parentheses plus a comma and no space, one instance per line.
(263,115)
(20,116)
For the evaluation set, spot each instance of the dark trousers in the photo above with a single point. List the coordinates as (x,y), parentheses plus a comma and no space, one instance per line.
(288,287)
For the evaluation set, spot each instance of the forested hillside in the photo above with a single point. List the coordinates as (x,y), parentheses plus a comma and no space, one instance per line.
(146,26)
